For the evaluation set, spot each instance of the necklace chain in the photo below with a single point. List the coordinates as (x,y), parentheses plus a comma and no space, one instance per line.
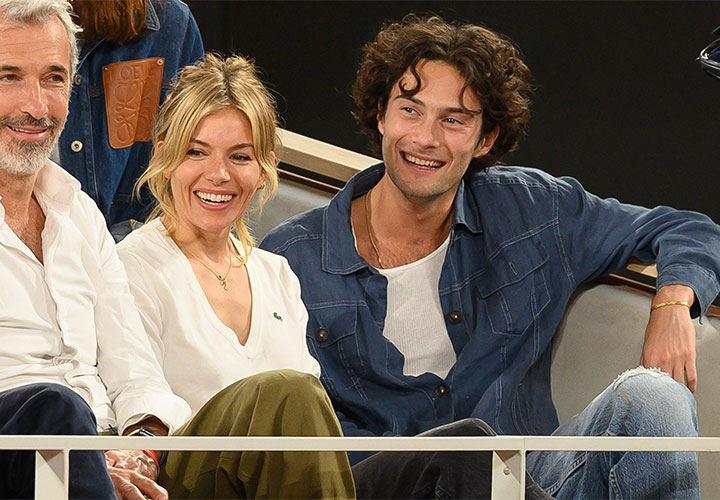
(369,229)
(222,278)
(370,233)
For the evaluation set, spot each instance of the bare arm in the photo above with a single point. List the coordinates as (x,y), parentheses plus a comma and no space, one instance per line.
(670,336)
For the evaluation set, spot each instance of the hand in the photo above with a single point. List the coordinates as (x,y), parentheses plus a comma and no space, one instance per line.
(670,337)
(133,474)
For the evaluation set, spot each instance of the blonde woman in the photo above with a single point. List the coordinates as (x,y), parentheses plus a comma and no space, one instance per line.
(225,319)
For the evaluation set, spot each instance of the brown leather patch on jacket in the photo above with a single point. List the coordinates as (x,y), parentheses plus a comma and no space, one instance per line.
(132,97)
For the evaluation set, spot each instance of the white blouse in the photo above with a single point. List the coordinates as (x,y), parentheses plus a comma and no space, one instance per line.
(198,353)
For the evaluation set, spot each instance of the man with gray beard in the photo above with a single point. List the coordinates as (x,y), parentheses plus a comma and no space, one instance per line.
(74,357)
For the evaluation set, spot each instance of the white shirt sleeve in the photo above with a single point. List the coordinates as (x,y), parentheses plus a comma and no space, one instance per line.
(147,302)
(135,383)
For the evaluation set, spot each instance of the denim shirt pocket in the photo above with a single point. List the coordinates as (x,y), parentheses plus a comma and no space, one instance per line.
(332,339)
(514,290)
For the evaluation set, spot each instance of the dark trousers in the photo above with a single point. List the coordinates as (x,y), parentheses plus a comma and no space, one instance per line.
(50,409)
(434,474)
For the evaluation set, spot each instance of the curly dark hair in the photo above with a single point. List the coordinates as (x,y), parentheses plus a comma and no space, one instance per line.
(489,62)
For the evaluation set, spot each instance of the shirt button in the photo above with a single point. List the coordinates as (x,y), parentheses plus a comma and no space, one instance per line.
(321,335)
(76,146)
(442,390)
(455,317)
(78,79)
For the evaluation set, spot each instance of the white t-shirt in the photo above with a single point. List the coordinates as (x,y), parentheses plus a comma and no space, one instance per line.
(414,322)
(70,320)
(198,353)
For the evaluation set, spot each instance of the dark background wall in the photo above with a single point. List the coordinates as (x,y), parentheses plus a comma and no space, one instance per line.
(621,102)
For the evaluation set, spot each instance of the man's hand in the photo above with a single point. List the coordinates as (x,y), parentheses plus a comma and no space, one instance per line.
(670,337)
(133,474)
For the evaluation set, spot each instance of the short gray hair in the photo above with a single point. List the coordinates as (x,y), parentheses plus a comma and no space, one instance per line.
(38,11)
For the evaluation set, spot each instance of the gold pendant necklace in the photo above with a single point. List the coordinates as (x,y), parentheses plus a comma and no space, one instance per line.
(222,278)
(369,229)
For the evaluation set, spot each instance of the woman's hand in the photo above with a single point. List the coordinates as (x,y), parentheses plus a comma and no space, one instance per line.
(133,473)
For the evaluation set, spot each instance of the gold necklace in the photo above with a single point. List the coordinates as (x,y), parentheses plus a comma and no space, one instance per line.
(369,229)
(220,277)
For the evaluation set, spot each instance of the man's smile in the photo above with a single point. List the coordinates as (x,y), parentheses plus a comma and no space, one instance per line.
(420,162)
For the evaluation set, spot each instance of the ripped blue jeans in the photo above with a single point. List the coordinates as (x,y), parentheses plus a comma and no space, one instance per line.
(640,402)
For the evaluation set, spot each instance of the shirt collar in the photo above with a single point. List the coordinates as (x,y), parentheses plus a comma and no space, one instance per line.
(152,21)
(339,255)
(55,188)
(467,211)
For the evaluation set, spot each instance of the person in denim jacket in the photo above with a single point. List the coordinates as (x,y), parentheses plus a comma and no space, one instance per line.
(130,51)
(435,281)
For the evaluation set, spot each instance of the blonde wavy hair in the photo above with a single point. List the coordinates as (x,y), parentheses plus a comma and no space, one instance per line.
(202,89)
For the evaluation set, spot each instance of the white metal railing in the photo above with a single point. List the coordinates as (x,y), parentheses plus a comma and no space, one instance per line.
(509,452)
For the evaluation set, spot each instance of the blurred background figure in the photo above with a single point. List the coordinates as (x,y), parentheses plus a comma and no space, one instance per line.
(710,57)
(130,50)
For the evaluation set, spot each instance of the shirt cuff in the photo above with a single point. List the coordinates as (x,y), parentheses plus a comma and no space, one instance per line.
(703,282)
(172,411)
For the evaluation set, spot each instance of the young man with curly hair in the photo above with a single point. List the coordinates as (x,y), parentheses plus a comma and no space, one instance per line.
(435,282)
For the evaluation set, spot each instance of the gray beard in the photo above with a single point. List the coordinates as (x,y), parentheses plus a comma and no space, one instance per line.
(27,158)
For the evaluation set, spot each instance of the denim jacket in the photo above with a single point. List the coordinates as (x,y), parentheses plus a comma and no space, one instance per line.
(106,172)
(520,243)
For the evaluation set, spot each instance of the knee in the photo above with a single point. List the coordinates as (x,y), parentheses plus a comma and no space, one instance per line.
(464,427)
(654,404)
(291,403)
(286,383)
(280,387)
(56,409)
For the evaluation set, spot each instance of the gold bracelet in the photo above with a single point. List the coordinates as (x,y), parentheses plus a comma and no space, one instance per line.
(670,303)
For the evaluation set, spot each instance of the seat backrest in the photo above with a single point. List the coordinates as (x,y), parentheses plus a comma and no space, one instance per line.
(291,198)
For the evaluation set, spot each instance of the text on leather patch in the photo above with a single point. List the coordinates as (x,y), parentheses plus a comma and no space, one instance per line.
(132,97)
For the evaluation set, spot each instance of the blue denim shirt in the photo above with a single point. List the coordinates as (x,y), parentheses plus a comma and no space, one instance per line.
(520,243)
(108,174)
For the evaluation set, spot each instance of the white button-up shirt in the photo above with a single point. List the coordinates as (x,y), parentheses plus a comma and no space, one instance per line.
(71,320)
